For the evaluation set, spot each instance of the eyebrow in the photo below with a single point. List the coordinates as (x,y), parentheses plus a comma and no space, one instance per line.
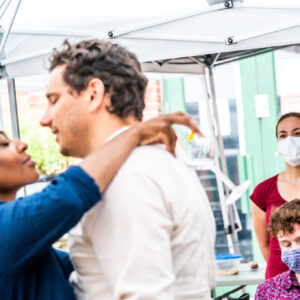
(3,133)
(283,131)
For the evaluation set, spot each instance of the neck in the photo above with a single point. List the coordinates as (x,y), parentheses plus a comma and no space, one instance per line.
(8,196)
(101,131)
(291,173)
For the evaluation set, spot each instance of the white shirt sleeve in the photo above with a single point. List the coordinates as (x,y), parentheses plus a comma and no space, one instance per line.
(130,236)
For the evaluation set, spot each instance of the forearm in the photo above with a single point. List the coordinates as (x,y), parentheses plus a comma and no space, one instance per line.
(104,163)
(265,250)
(260,229)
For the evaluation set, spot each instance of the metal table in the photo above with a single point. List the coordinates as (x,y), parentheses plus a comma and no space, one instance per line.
(245,277)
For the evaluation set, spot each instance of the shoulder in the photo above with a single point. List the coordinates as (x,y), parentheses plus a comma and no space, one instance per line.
(153,161)
(152,152)
(271,286)
(261,191)
(267,183)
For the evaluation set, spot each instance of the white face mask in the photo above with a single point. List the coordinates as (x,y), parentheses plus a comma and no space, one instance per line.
(289,148)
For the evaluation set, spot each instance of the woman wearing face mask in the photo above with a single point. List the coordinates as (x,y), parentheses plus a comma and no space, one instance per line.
(30,268)
(277,190)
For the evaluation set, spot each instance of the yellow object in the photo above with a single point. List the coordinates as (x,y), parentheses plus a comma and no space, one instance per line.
(191,136)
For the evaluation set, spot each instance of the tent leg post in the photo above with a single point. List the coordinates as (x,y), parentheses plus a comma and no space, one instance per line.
(11,86)
(13,108)
(220,156)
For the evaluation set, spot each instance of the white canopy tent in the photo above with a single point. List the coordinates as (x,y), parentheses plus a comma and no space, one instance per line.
(155,30)
(188,36)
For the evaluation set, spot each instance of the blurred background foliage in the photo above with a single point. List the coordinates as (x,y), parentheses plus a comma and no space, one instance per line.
(43,148)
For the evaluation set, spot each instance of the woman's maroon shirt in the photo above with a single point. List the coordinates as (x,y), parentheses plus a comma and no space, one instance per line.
(267,198)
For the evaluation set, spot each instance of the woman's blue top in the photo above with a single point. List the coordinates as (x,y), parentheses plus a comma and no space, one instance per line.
(30,268)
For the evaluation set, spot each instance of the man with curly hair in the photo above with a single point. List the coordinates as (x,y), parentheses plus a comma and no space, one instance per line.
(152,236)
(285,226)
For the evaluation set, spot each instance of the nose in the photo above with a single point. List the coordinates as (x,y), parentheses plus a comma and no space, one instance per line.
(20,146)
(46,119)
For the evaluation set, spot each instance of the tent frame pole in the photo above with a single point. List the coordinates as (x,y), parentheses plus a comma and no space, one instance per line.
(177,37)
(229,226)
(243,37)
(220,186)
(6,34)
(11,86)
(116,33)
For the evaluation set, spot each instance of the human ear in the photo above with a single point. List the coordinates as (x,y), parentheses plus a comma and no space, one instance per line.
(96,91)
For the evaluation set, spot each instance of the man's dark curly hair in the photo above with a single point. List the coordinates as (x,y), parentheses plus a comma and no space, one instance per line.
(283,218)
(118,69)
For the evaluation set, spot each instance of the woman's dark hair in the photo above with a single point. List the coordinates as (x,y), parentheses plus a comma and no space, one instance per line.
(116,67)
(286,116)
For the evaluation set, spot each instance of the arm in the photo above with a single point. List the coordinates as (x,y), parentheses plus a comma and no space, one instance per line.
(130,235)
(116,151)
(261,232)
(29,225)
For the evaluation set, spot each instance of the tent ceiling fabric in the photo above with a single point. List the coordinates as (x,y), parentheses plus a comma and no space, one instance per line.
(162,31)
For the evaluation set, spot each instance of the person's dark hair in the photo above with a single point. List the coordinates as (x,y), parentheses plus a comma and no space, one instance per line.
(286,116)
(117,67)
(283,218)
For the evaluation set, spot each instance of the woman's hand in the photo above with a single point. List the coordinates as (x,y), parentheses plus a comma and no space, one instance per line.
(104,163)
(159,130)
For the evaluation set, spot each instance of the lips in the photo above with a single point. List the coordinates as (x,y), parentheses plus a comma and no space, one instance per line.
(27,161)
(55,131)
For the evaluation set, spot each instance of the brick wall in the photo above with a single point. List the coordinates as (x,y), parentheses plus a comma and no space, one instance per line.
(153,99)
(32,104)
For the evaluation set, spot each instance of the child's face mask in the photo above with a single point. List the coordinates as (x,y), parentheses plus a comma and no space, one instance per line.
(292,259)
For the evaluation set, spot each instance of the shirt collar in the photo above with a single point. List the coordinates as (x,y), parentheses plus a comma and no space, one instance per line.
(117,132)
(289,280)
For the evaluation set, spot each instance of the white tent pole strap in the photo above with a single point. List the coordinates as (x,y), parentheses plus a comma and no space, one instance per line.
(117,33)
(5,5)
(177,37)
(3,41)
(13,107)
(242,37)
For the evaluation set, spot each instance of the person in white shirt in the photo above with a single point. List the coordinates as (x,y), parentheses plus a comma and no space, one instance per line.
(152,236)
